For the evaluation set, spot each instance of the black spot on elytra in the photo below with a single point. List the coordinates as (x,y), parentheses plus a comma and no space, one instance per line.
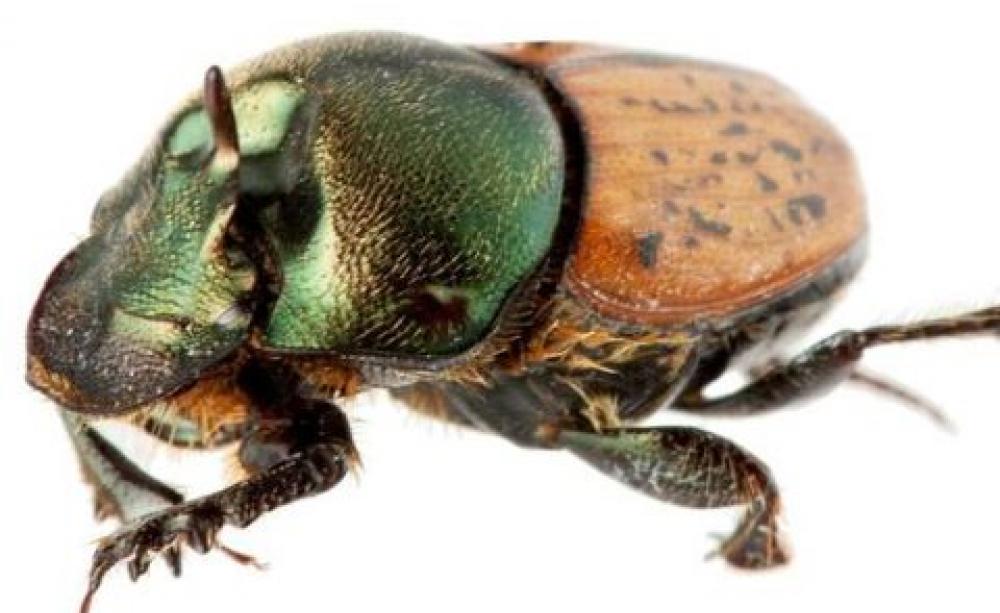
(680,187)
(767,184)
(709,226)
(648,244)
(801,176)
(814,204)
(660,156)
(630,101)
(719,157)
(787,150)
(710,105)
(710,179)
(747,158)
(691,242)
(737,128)
(672,106)
(738,106)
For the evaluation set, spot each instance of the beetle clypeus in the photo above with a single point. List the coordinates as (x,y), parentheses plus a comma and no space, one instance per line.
(545,241)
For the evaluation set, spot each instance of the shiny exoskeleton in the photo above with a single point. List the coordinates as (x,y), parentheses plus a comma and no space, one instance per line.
(544,241)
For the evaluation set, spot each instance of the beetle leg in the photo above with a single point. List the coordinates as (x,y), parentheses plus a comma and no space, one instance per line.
(829,362)
(679,465)
(871,381)
(293,448)
(693,468)
(122,489)
(890,388)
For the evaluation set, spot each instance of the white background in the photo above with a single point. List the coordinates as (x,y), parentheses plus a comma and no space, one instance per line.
(884,510)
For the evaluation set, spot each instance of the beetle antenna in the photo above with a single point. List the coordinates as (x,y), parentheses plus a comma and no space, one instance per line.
(219,108)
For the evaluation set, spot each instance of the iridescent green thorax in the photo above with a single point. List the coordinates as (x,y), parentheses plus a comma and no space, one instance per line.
(431,189)
(394,192)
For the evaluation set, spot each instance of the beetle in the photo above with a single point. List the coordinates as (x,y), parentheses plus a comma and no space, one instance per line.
(545,241)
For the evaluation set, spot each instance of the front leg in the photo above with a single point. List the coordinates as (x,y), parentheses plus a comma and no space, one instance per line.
(121,489)
(294,447)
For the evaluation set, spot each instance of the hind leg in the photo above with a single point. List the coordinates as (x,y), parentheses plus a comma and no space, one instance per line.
(829,362)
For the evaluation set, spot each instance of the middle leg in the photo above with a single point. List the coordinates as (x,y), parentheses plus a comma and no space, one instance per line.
(683,466)
(693,468)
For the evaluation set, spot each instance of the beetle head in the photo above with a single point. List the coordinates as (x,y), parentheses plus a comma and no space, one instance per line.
(155,295)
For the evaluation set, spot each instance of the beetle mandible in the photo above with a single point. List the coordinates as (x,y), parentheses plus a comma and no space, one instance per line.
(546,241)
